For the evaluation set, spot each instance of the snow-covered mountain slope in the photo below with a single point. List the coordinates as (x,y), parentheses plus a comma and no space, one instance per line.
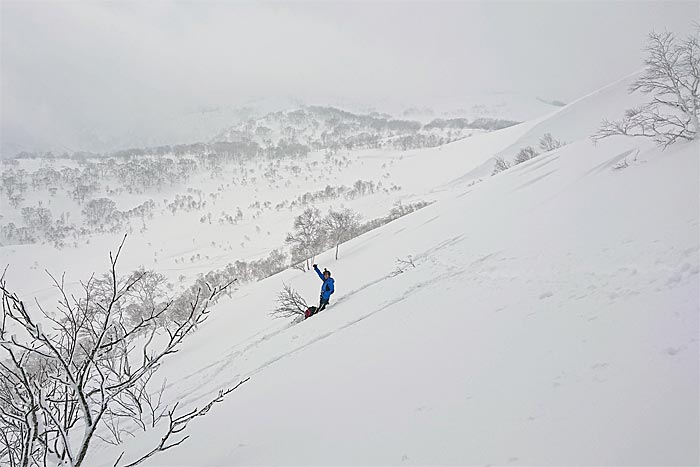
(199,123)
(332,129)
(504,105)
(213,122)
(551,318)
(581,118)
(183,242)
(155,128)
(573,122)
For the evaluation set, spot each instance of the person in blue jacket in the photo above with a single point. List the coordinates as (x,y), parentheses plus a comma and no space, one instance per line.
(327,288)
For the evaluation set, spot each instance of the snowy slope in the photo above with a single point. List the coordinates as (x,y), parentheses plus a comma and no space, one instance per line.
(573,122)
(206,122)
(581,118)
(551,318)
(507,105)
(171,242)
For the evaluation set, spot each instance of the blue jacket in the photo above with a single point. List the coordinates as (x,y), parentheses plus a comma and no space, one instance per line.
(328,286)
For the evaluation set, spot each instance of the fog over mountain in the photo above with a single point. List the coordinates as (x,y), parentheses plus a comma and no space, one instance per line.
(102,76)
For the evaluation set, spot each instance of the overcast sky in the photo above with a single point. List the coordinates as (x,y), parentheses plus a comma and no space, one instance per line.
(72,67)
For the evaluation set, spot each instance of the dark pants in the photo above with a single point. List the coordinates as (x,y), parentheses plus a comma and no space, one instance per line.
(322,304)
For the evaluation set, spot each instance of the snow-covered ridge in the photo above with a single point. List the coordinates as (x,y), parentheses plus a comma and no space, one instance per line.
(203,123)
(581,118)
(576,121)
(333,129)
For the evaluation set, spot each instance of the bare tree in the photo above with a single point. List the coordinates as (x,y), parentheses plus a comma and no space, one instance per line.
(402,265)
(500,165)
(16,199)
(341,226)
(84,368)
(289,303)
(177,424)
(548,143)
(98,211)
(672,78)
(308,237)
(525,154)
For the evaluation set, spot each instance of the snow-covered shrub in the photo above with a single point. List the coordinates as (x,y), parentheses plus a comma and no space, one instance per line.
(525,154)
(548,143)
(500,165)
(290,304)
(402,265)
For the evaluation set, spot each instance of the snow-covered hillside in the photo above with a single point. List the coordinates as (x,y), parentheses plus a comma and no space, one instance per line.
(332,129)
(176,126)
(550,316)
(503,105)
(213,122)
(551,319)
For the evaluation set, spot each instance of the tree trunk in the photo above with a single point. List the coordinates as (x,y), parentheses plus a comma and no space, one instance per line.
(696,125)
(336,251)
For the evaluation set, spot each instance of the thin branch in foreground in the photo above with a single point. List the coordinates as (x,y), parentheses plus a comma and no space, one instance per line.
(177,424)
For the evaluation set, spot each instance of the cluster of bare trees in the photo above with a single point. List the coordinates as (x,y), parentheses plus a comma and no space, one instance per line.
(100,215)
(135,173)
(547,143)
(247,271)
(308,238)
(671,78)
(425,140)
(83,184)
(332,130)
(358,189)
(313,233)
(489,124)
(85,372)
(14,185)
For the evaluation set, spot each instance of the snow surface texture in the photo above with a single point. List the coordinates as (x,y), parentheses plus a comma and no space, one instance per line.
(551,318)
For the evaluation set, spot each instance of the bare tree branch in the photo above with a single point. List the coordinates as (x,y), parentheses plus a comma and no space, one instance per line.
(289,303)
(91,371)
(178,424)
(671,77)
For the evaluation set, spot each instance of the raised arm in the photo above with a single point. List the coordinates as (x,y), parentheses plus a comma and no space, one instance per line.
(320,274)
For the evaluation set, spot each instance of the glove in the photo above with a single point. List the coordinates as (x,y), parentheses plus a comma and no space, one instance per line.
(315,266)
